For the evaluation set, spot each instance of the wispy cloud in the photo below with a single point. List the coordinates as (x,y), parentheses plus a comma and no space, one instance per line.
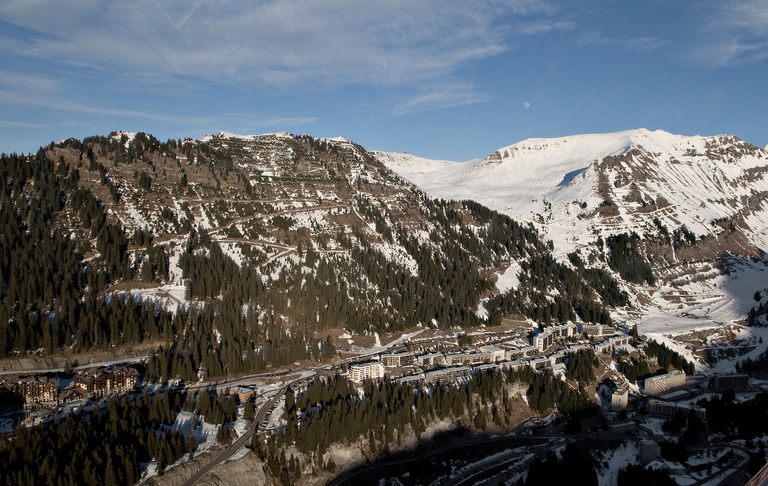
(54,102)
(274,42)
(438,98)
(545,27)
(645,43)
(21,124)
(736,32)
(282,46)
(44,93)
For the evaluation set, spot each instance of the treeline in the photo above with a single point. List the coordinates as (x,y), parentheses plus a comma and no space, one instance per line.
(575,298)
(102,447)
(381,416)
(681,237)
(50,294)
(581,365)
(743,420)
(633,368)
(546,392)
(753,366)
(218,338)
(600,280)
(667,357)
(215,407)
(60,254)
(627,260)
(384,413)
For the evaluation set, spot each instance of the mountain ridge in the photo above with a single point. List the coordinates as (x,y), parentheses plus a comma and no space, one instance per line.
(239,253)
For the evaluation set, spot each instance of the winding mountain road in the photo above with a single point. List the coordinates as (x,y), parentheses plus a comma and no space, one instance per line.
(240,442)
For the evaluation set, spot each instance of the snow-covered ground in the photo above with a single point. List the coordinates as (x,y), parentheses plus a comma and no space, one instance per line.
(612,462)
(553,182)
(509,278)
(171,296)
(204,434)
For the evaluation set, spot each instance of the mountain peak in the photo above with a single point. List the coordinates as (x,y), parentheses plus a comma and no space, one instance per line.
(593,146)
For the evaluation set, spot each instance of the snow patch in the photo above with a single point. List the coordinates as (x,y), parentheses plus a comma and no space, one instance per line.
(509,278)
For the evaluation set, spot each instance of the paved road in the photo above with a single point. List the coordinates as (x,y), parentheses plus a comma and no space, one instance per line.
(240,442)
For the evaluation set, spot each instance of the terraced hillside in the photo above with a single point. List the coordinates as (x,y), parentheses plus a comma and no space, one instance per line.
(234,253)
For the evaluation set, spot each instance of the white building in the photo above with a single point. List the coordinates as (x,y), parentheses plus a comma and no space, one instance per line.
(494,352)
(562,330)
(469,357)
(611,344)
(431,359)
(597,330)
(656,385)
(371,370)
(519,352)
(446,375)
(394,360)
(542,341)
(620,398)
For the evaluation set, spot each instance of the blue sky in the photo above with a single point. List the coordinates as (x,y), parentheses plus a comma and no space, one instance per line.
(441,79)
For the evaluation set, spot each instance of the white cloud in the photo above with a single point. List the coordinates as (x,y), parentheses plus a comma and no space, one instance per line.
(282,45)
(437,98)
(45,93)
(736,33)
(275,42)
(21,124)
(545,27)
(526,104)
(645,43)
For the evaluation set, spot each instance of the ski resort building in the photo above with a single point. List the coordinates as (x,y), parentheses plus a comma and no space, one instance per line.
(668,409)
(562,330)
(469,357)
(106,382)
(543,341)
(40,391)
(597,330)
(656,385)
(730,382)
(519,352)
(494,352)
(431,359)
(446,375)
(620,398)
(395,360)
(612,343)
(371,370)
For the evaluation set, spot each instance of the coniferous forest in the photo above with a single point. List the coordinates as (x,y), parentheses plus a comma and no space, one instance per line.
(96,235)
(64,251)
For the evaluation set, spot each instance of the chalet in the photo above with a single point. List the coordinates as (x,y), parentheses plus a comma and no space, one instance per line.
(39,391)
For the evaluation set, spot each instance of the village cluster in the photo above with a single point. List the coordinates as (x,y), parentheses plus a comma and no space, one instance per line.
(39,394)
(635,412)
(439,359)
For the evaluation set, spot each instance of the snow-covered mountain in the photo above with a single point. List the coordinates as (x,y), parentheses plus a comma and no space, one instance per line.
(574,188)
(580,189)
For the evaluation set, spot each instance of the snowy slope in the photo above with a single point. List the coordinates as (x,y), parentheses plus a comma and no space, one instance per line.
(579,188)
(560,183)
